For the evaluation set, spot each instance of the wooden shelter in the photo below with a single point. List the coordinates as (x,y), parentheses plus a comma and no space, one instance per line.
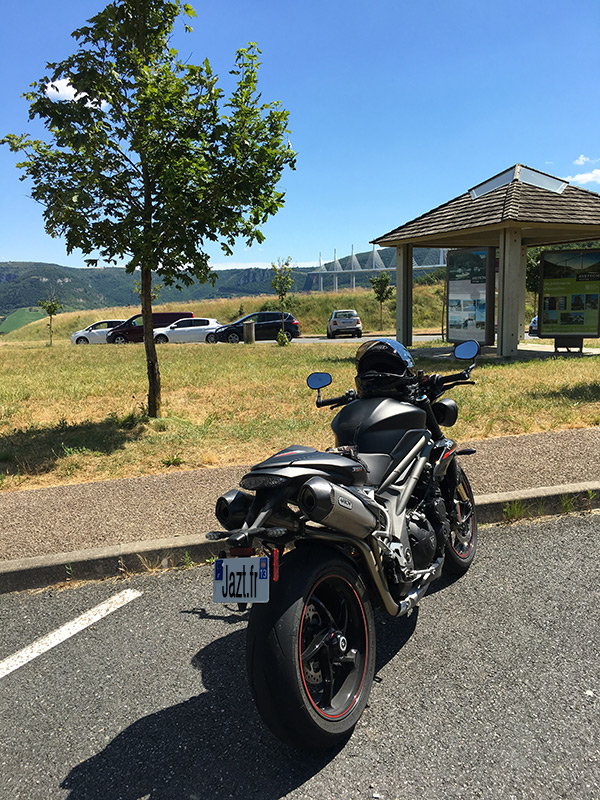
(516,209)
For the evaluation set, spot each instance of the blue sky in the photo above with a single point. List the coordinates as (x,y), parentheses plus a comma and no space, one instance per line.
(395,106)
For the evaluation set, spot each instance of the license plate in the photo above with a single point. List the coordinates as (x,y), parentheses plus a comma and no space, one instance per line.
(241,580)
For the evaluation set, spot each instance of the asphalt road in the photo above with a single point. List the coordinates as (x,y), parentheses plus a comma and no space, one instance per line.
(490,690)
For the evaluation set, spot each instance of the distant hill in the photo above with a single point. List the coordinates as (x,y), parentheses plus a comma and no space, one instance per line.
(22,283)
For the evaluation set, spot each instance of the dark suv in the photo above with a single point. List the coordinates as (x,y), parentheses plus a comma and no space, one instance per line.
(267,325)
(132,330)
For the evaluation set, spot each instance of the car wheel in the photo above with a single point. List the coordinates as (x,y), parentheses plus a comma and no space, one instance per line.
(81,340)
(288,336)
(211,338)
(233,338)
(120,339)
(161,339)
(329,334)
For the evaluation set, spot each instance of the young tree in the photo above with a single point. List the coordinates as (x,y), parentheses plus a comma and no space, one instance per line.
(282,283)
(382,290)
(155,291)
(148,161)
(51,306)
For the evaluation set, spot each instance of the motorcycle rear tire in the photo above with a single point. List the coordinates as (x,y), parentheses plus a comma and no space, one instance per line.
(462,543)
(312,699)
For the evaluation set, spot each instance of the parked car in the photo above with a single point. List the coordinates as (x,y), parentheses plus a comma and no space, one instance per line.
(267,325)
(96,333)
(197,329)
(533,327)
(344,322)
(132,330)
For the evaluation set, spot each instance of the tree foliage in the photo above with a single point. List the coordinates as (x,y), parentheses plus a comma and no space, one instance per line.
(148,161)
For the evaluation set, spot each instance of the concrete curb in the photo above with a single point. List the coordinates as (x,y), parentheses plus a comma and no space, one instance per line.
(540,502)
(142,556)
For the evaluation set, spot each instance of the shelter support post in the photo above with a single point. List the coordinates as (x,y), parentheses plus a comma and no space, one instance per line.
(404,291)
(511,291)
(522,298)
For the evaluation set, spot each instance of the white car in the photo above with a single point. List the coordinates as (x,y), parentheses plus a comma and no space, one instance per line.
(344,321)
(193,329)
(96,333)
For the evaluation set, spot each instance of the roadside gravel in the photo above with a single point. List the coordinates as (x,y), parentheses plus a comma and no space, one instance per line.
(67,518)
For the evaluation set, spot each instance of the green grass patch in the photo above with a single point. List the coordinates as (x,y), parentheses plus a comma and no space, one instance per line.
(79,413)
(20,318)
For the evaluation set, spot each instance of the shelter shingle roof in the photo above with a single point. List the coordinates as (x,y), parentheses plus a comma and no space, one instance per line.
(541,213)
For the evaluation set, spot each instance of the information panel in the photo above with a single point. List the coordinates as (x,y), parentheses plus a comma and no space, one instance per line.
(569,291)
(470,295)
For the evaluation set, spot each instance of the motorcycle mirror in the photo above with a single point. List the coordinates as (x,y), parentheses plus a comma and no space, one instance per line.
(318,380)
(467,351)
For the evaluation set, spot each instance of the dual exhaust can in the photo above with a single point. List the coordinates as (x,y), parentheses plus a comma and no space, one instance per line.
(232,509)
(337,508)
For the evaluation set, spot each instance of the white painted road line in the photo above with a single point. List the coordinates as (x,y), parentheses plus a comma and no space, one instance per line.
(49,641)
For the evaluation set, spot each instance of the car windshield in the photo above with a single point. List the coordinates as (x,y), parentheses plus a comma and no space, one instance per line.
(345,314)
(247,318)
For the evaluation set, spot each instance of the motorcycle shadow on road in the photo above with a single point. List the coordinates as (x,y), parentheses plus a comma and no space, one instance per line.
(392,634)
(213,745)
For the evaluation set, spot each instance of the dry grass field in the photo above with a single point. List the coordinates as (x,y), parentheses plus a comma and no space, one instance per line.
(73,414)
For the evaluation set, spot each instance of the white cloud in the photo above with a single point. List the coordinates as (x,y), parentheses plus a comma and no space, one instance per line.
(585,177)
(62,90)
(585,160)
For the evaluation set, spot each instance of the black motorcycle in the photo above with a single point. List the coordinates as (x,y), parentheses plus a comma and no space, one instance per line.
(318,539)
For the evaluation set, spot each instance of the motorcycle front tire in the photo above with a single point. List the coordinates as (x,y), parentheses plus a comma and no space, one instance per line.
(462,542)
(310,650)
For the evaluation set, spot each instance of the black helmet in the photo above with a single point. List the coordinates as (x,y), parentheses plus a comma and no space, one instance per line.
(383,368)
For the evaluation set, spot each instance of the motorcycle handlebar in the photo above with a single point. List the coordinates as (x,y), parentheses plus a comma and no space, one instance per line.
(436,385)
(347,397)
(456,378)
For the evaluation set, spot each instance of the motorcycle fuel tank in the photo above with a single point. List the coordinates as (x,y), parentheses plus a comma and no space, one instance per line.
(376,424)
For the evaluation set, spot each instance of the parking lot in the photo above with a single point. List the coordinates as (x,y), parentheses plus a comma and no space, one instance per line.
(489,690)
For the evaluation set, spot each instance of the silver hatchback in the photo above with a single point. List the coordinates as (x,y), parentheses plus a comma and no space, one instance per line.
(344,322)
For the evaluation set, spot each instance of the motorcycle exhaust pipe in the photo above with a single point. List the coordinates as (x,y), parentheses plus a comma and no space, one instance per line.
(336,507)
(232,509)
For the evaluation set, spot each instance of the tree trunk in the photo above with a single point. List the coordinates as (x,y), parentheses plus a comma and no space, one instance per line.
(154,397)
